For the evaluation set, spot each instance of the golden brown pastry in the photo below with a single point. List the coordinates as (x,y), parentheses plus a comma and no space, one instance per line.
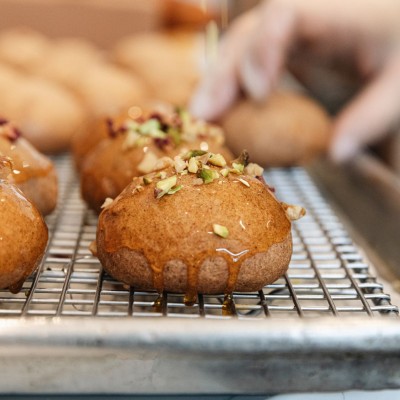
(137,146)
(288,129)
(209,228)
(23,48)
(23,234)
(168,62)
(47,113)
(32,172)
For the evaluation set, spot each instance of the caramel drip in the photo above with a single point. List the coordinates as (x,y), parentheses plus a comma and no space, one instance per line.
(26,161)
(179,227)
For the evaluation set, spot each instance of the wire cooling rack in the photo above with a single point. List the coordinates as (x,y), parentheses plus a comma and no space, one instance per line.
(328,273)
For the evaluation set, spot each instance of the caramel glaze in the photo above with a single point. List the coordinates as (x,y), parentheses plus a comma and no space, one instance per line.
(27,162)
(109,168)
(23,237)
(180,227)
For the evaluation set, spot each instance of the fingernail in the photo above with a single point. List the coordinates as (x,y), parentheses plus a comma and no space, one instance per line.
(343,149)
(255,81)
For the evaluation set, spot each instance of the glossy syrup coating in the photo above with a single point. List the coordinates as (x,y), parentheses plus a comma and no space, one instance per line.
(23,235)
(169,243)
(110,167)
(32,172)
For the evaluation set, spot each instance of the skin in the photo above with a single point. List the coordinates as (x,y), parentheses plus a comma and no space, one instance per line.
(358,40)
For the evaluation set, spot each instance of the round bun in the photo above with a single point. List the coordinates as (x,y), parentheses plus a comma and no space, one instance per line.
(32,172)
(288,129)
(23,235)
(168,62)
(47,113)
(195,235)
(23,48)
(110,167)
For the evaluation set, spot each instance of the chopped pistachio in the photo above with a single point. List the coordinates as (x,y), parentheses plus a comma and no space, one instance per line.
(242,159)
(147,180)
(253,169)
(220,230)
(174,134)
(142,141)
(204,158)
(138,188)
(184,172)
(175,189)
(194,153)
(130,140)
(193,167)
(148,163)
(217,159)
(107,202)
(208,175)
(293,212)
(164,186)
(179,164)
(237,168)
(149,126)
(245,183)
(163,162)
(224,172)
(162,175)
(131,125)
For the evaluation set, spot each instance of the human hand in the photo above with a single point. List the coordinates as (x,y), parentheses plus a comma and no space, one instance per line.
(360,38)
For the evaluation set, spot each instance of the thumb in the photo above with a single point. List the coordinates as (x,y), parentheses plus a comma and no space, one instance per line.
(369,116)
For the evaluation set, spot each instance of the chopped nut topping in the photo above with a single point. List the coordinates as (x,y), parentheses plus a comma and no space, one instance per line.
(237,168)
(108,201)
(224,172)
(164,186)
(217,160)
(208,175)
(253,169)
(175,189)
(163,162)
(137,189)
(193,153)
(179,164)
(220,230)
(148,163)
(198,182)
(147,180)
(193,167)
(245,183)
(293,212)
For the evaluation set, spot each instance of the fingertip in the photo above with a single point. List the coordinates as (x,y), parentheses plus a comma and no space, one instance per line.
(343,149)
(255,81)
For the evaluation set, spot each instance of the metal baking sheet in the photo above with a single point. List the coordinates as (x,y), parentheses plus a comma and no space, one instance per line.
(326,325)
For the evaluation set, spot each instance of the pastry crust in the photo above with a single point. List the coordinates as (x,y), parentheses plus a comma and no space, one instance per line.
(288,129)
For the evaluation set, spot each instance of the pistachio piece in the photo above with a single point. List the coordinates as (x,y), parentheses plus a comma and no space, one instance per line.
(293,212)
(147,180)
(194,153)
(245,183)
(137,189)
(197,182)
(224,172)
(130,140)
(107,202)
(175,189)
(149,126)
(164,186)
(193,167)
(148,163)
(253,169)
(174,134)
(242,159)
(179,164)
(162,175)
(217,160)
(208,175)
(204,158)
(163,162)
(220,230)
(237,168)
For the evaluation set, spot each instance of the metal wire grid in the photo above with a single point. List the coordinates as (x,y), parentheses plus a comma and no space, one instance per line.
(328,274)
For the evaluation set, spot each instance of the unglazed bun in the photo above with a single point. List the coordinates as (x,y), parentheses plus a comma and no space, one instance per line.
(168,62)
(199,236)
(23,234)
(110,167)
(287,129)
(32,172)
(23,48)
(47,113)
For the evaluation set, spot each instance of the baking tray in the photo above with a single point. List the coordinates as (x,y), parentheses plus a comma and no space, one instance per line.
(326,325)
